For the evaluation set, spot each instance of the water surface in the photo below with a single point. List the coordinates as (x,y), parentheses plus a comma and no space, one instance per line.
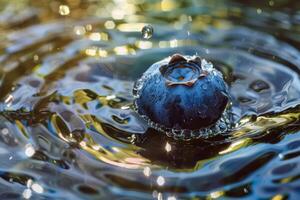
(67,127)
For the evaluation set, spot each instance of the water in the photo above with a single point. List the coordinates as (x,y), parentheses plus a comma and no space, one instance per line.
(67,126)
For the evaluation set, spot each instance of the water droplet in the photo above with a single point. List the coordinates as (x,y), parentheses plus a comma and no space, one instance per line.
(147,31)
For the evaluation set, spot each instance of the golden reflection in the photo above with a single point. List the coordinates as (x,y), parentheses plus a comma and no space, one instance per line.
(176,43)
(118,14)
(102,53)
(216,194)
(22,128)
(119,156)
(144,44)
(163,44)
(95,51)
(79,30)
(97,36)
(64,10)
(237,145)
(263,124)
(89,27)
(121,50)
(134,160)
(168,5)
(123,158)
(110,97)
(121,9)
(35,57)
(91,51)
(98,147)
(286,180)
(109,24)
(278,197)
(131,27)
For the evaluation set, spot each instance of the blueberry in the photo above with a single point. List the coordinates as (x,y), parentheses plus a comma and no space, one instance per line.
(181,93)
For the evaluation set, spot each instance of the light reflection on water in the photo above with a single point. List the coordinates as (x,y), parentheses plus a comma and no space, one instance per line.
(68,130)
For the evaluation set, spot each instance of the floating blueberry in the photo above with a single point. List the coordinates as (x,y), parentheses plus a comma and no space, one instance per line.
(183,96)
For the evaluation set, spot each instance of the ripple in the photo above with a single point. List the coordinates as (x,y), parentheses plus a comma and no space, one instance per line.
(66,94)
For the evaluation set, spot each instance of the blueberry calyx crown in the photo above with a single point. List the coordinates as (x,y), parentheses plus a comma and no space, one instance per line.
(180,71)
(184,97)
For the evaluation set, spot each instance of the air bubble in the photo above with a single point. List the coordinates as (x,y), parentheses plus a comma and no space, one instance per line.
(147,31)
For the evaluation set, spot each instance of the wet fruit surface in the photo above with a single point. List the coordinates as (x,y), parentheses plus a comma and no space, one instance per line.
(67,125)
(181,93)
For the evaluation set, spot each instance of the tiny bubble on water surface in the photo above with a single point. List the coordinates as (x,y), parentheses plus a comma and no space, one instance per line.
(147,32)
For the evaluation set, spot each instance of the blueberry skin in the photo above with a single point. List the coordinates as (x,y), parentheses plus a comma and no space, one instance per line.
(181,92)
